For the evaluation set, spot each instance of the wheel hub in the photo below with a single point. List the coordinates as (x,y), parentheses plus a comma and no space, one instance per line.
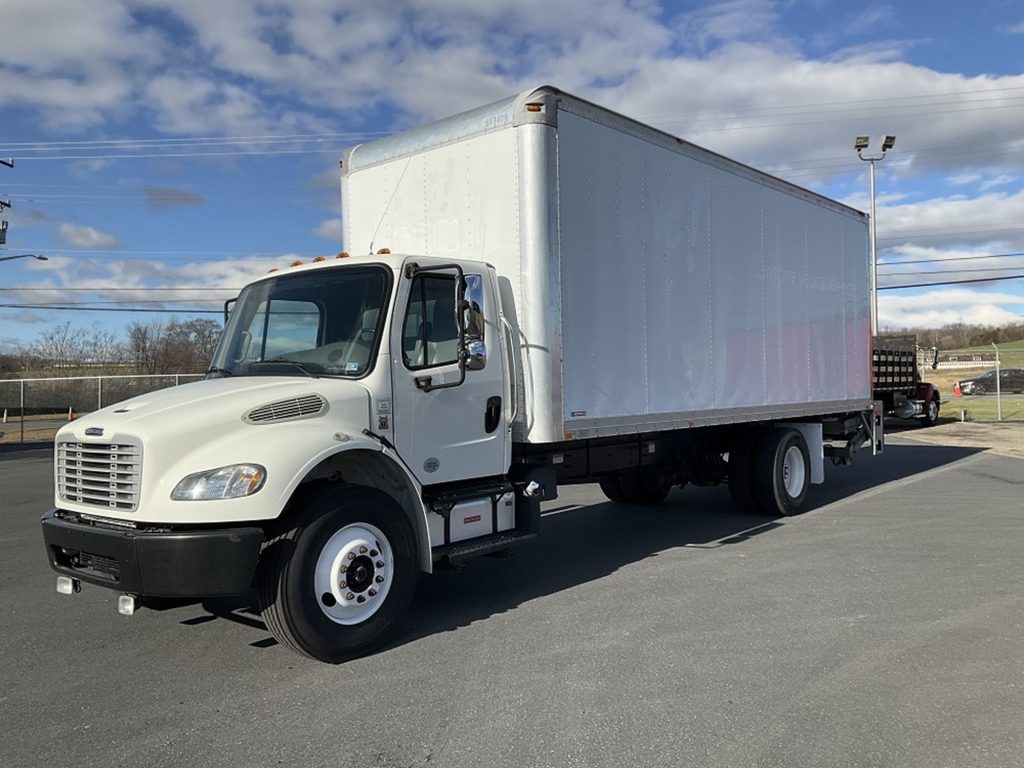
(360,574)
(353,573)
(794,471)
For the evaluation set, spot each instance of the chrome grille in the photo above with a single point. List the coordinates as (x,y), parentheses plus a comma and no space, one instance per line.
(102,475)
(285,410)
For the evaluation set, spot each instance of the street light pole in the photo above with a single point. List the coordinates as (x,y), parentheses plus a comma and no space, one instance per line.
(860,143)
(24,256)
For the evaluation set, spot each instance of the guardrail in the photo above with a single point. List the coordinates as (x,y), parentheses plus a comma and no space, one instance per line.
(32,408)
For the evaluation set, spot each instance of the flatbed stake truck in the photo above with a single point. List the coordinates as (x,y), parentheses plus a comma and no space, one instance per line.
(540,292)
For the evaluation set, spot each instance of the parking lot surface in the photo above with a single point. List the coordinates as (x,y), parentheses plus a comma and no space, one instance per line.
(883,628)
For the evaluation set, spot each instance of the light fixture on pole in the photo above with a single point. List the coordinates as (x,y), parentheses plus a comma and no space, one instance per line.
(25,256)
(860,143)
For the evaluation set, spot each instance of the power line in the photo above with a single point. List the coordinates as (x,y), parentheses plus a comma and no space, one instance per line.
(950,271)
(334,151)
(266,138)
(955,258)
(141,288)
(953,282)
(112,309)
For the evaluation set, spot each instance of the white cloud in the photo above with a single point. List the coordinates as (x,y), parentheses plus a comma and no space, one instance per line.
(963,179)
(944,306)
(991,218)
(998,181)
(330,229)
(170,197)
(81,236)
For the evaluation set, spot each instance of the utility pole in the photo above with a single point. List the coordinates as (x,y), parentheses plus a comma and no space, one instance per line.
(5,204)
(861,143)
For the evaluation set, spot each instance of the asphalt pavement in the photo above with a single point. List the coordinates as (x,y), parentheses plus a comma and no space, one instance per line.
(883,628)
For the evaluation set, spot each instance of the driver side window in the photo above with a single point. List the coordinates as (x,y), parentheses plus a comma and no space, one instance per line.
(430,332)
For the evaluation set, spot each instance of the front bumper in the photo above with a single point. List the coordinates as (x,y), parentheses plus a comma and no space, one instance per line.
(153,563)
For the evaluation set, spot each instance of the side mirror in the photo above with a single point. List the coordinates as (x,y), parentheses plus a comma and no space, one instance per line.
(476,355)
(473,323)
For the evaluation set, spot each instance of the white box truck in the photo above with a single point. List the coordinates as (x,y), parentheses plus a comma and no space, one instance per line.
(540,291)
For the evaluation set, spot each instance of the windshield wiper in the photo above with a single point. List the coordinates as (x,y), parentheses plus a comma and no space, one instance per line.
(301,366)
(221,371)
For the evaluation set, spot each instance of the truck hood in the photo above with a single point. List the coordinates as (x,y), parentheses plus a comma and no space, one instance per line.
(213,404)
(277,422)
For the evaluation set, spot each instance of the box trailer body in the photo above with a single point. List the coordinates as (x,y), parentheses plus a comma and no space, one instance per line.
(657,285)
(538,292)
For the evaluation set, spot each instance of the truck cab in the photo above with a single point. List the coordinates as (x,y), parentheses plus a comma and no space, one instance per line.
(384,374)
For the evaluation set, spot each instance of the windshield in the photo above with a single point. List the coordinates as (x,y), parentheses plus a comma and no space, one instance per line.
(325,322)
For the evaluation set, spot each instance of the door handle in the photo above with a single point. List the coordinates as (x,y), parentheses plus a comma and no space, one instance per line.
(492,414)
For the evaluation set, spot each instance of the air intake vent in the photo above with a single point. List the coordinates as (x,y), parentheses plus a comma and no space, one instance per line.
(305,407)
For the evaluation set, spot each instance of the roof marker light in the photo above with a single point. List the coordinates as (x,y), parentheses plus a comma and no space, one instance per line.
(296,263)
(534,106)
(383,251)
(272,269)
(342,255)
(319,258)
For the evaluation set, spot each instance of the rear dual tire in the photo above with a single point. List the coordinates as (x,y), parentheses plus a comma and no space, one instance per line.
(645,487)
(770,472)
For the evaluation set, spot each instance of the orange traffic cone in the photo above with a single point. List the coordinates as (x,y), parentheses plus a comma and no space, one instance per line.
(956,390)
(71,414)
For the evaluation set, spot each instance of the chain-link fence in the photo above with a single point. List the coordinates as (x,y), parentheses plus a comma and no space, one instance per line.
(34,409)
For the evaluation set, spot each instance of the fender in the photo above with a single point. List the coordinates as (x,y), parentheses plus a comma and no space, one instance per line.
(925,391)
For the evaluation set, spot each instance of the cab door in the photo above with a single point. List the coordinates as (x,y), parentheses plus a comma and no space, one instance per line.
(450,419)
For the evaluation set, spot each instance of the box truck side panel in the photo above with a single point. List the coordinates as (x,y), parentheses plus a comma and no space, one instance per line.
(488,196)
(692,294)
(457,200)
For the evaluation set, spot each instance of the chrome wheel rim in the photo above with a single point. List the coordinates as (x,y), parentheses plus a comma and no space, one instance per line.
(353,573)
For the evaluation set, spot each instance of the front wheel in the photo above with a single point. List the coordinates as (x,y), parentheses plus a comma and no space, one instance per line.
(336,584)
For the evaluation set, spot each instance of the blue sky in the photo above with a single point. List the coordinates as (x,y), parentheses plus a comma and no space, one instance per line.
(165,153)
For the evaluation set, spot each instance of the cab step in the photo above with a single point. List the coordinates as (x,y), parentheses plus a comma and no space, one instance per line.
(482,546)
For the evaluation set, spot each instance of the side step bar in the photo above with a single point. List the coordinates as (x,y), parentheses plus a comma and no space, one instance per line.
(463,549)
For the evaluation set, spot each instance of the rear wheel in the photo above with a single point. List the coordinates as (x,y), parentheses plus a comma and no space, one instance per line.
(742,481)
(645,486)
(611,488)
(336,584)
(783,472)
(931,412)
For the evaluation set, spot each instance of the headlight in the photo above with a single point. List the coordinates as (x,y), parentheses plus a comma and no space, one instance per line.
(224,483)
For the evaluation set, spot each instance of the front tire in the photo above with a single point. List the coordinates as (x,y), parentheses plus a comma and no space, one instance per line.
(336,584)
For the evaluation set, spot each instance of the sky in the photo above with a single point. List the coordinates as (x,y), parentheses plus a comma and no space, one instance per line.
(165,153)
